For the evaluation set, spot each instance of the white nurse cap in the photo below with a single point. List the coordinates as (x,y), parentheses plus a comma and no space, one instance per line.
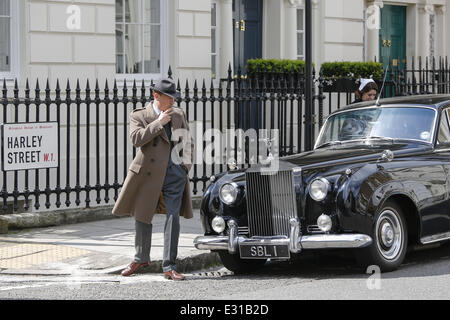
(364,83)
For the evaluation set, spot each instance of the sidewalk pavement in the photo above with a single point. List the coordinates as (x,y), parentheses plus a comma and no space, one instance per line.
(99,247)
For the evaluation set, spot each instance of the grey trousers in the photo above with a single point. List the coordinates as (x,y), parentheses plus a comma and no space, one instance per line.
(173,189)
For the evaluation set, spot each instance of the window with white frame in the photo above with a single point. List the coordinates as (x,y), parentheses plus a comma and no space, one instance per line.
(300,33)
(8,39)
(140,27)
(214,40)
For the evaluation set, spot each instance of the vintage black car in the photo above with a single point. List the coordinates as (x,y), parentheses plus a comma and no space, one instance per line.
(377,181)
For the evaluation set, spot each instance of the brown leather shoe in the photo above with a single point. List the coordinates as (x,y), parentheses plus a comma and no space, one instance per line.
(173,275)
(133,268)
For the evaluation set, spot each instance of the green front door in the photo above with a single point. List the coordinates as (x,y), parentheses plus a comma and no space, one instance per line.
(393,36)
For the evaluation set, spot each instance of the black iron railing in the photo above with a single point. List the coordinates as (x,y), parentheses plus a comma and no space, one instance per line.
(94,146)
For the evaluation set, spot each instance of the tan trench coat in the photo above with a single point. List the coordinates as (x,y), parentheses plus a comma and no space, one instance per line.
(141,191)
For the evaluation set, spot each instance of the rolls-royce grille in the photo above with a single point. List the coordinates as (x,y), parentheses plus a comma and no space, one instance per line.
(270,203)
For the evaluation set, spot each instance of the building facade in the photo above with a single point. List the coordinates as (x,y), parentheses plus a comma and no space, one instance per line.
(140,39)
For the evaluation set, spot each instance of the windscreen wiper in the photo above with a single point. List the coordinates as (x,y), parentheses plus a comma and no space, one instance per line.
(330,143)
(379,138)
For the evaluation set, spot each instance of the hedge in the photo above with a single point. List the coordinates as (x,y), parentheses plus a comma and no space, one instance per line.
(353,70)
(331,70)
(275,65)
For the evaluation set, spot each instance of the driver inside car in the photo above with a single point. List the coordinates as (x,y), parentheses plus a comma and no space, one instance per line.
(352,129)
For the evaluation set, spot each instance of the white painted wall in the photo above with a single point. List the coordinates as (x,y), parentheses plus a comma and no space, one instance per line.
(273,29)
(447,27)
(49,50)
(343,25)
(54,51)
(412,30)
(192,58)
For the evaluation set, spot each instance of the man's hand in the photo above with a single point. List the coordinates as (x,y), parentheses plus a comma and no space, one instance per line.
(165,116)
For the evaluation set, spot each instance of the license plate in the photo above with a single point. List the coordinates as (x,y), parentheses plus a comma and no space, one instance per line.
(264,251)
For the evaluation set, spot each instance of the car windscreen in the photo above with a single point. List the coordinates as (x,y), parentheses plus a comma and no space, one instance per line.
(412,123)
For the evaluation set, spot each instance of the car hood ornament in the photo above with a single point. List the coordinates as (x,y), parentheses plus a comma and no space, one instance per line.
(386,156)
(269,142)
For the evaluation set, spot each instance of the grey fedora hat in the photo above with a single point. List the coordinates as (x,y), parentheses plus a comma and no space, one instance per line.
(166,86)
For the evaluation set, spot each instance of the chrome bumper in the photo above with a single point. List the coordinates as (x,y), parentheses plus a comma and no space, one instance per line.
(296,241)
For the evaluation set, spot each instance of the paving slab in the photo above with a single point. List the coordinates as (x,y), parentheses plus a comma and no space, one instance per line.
(105,246)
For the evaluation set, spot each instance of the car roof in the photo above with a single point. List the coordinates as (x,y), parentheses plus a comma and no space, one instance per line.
(436,101)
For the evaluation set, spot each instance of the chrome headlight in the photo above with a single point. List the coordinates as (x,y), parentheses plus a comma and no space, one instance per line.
(218,224)
(324,223)
(228,193)
(318,189)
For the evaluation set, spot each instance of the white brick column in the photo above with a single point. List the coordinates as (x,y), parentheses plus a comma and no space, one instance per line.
(317,33)
(291,29)
(442,29)
(424,11)
(373,25)
(226,51)
(193,37)
(447,27)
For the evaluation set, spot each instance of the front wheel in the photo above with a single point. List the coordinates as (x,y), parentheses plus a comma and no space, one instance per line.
(239,266)
(390,239)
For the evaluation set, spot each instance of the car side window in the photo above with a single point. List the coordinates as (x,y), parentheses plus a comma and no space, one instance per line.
(444,129)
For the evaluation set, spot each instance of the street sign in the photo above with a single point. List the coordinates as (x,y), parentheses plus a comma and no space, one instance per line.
(30,145)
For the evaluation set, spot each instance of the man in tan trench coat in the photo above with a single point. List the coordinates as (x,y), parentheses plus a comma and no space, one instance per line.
(158,173)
